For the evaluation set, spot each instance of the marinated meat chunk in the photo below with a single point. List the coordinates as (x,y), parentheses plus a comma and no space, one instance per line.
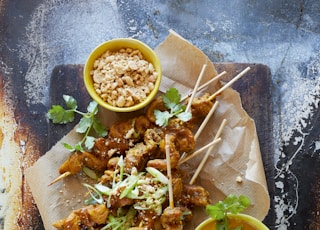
(194,195)
(89,216)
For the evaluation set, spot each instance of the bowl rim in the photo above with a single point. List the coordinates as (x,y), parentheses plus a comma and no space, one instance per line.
(245,217)
(149,55)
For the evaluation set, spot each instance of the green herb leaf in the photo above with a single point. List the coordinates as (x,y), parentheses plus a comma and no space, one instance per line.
(184,116)
(162,118)
(99,128)
(69,147)
(59,115)
(231,204)
(88,121)
(78,147)
(89,143)
(70,102)
(84,125)
(171,100)
(93,107)
(215,211)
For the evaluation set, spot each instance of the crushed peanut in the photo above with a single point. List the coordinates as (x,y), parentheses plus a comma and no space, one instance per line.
(239,179)
(123,78)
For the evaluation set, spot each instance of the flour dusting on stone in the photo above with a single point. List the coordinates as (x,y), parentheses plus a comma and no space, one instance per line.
(55,38)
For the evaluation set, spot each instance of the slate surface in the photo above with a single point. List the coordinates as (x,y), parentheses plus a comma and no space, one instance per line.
(37,35)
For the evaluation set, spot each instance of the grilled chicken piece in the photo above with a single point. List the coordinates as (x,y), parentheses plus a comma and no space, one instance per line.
(147,218)
(184,141)
(84,218)
(161,164)
(194,195)
(77,160)
(171,218)
(137,157)
(132,129)
(106,147)
(73,164)
(200,106)
(95,163)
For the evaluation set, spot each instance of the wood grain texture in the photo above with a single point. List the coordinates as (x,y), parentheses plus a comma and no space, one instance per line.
(254,88)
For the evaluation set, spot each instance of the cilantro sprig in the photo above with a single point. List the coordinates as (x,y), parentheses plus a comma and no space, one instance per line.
(231,204)
(60,115)
(171,100)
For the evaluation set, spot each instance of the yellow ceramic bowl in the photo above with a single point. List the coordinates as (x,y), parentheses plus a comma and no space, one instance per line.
(115,45)
(248,222)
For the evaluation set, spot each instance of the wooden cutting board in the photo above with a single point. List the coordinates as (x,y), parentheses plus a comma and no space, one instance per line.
(255,89)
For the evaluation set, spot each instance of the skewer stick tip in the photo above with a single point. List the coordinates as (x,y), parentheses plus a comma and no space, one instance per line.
(62,176)
(242,73)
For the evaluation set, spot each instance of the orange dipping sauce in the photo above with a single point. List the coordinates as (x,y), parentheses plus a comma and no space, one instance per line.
(240,220)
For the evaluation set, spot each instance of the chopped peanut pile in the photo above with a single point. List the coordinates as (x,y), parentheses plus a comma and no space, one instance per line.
(123,78)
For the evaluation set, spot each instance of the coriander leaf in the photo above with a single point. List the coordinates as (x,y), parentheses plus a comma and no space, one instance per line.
(59,115)
(78,147)
(99,128)
(171,98)
(237,204)
(89,143)
(88,121)
(69,147)
(84,125)
(70,102)
(231,204)
(184,116)
(162,118)
(215,212)
(93,107)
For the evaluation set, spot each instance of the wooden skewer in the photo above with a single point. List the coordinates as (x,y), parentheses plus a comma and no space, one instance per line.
(62,176)
(206,84)
(167,146)
(203,124)
(205,158)
(196,153)
(195,89)
(205,121)
(229,83)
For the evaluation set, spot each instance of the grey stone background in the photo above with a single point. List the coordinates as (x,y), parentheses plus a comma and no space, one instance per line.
(37,35)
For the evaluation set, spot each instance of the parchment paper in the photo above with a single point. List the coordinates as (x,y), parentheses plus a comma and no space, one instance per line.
(237,155)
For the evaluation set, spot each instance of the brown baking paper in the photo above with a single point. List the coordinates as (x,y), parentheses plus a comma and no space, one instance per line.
(237,156)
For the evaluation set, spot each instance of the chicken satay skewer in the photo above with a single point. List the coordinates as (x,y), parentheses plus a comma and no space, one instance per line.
(183,157)
(169,175)
(213,96)
(206,84)
(204,159)
(205,121)
(195,89)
